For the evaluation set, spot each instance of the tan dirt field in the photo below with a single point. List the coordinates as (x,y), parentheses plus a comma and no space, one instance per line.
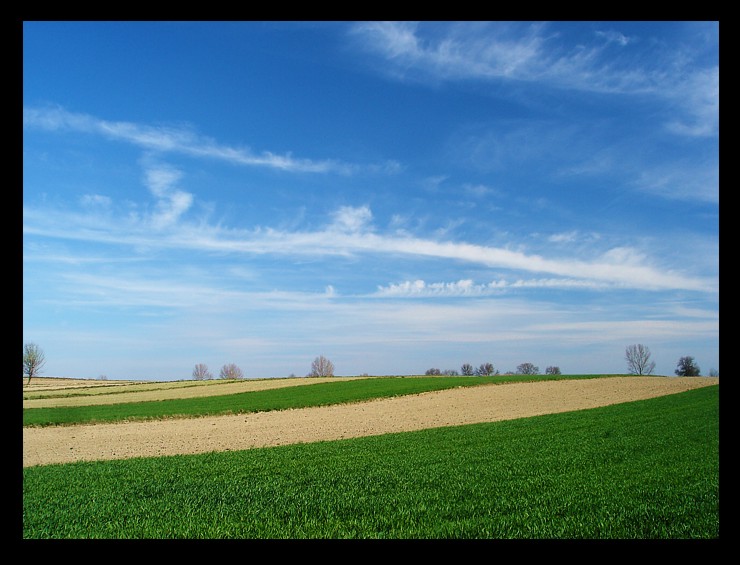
(80,392)
(465,405)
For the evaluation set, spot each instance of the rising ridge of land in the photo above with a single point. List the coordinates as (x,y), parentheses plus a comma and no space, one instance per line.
(459,406)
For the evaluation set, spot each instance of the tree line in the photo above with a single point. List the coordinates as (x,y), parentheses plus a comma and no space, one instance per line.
(639,363)
(487,370)
(637,356)
(320,367)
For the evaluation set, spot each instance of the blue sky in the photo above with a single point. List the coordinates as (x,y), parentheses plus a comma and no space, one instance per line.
(395,196)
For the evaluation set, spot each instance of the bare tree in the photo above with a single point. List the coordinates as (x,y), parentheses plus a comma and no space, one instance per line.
(321,367)
(230,371)
(33,360)
(466,369)
(527,369)
(687,367)
(433,371)
(638,360)
(201,372)
(552,371)
(485,370)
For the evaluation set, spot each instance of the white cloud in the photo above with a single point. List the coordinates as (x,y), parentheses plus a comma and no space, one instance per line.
(420,288)
(479,190)
(352,219)
(486,51)
(458,55)
(160,179)
(182,140)
(698,96)
(612,36)
(624,256)
(563,237)
(625,329)
(467,288)
(533,53)
(348,234)
(698,181)
(397,39)
(95,200)
(171,202)
(151,288)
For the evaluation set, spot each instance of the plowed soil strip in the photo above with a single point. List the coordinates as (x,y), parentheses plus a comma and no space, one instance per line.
(167,391)
(468,405)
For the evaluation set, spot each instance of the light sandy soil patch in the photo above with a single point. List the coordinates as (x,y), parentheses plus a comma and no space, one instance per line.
(51,384)
(486,403)
(167,391)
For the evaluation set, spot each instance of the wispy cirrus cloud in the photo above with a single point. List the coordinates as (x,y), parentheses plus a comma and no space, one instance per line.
(171,201)
(96,201)
(352,218)
(532,53)
(501,50)
(693,181)
(456,54)
(699,96)
(614,36)
(184,140)
(350,232)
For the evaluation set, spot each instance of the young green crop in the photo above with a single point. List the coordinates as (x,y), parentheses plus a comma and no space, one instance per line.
(645,469)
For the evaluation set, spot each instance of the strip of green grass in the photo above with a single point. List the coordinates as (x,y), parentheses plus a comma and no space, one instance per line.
(319,394)
(646,469)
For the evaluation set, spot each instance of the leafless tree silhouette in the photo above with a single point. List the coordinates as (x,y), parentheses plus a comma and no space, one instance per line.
(321,367)
(638,360)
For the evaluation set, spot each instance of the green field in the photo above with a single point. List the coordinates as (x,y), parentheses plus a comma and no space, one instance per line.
(647,469)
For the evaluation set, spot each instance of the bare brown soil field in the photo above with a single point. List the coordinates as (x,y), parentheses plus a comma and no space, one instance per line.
(52,384)
(80,392)
(485,403)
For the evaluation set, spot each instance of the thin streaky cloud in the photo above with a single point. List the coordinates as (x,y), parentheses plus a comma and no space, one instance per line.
(660,329)
(692,182)
(563,237)
(96,200)
(138,288)
(467,288)
(535,54)
(453,56)
(475,50)
(615,37)
(348,234)
(165,139)
(699,96)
